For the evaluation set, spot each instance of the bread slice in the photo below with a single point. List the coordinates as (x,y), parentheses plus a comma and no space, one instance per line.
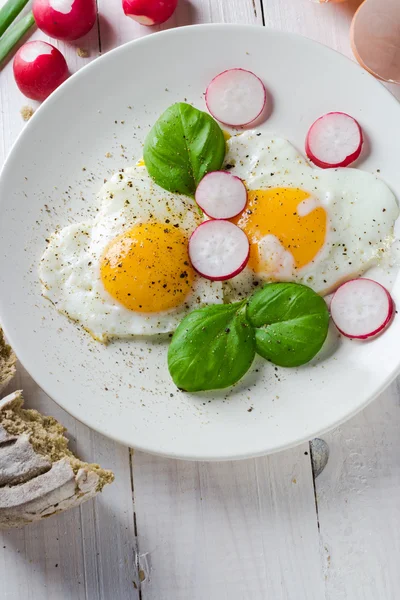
(39,475)
(7,362)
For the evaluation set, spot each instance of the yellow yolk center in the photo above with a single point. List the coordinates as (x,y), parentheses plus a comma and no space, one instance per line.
(275,212)
(147,268)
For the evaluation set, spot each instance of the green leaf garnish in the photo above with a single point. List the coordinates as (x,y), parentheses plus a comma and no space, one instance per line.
(182,146)
(212,348)
(291,323)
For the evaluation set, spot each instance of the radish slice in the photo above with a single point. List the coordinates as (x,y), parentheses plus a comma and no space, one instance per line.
(218,250)
(221,195)
(334,140)
(361,308)
(236,97)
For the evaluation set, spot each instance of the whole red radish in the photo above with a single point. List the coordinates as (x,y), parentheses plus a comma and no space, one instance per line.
(149,12)
(39,69)
(65,19)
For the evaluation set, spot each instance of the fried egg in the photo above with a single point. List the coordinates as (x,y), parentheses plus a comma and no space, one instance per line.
(128,272)
(318,227)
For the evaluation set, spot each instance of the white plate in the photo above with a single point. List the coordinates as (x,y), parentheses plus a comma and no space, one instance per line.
(50,179)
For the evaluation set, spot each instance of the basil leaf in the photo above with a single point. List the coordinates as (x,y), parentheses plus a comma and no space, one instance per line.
(183,145)
(291,323)
(212,348)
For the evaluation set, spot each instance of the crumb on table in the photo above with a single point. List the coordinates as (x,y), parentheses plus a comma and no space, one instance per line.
(27,112)
(82,52)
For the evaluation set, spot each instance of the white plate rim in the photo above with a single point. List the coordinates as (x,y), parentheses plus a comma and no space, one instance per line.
(15,343)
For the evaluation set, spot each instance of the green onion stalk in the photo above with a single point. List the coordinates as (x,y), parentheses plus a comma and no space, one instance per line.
(9,11)
(14,34)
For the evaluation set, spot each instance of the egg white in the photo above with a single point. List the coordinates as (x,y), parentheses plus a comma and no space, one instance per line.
(70,267)
(361,212)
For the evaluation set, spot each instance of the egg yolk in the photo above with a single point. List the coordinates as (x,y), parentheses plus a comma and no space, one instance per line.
(275,212)
(147,268)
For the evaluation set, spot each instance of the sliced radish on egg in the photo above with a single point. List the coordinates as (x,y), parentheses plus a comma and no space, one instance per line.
(236,97)
(39,69)
(65,19)
(218,250)
(149,12)
(221,195)
(361,308)
(334,140)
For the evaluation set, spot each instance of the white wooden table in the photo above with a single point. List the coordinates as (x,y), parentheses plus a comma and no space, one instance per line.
(261,529)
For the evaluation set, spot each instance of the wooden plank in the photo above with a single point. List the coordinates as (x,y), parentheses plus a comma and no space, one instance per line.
(246,522)
(116,30)
(200,546)
(357,494)
(89,552)
(328,24)
(11,99)
(358,503)
(242,530)
(44,559)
